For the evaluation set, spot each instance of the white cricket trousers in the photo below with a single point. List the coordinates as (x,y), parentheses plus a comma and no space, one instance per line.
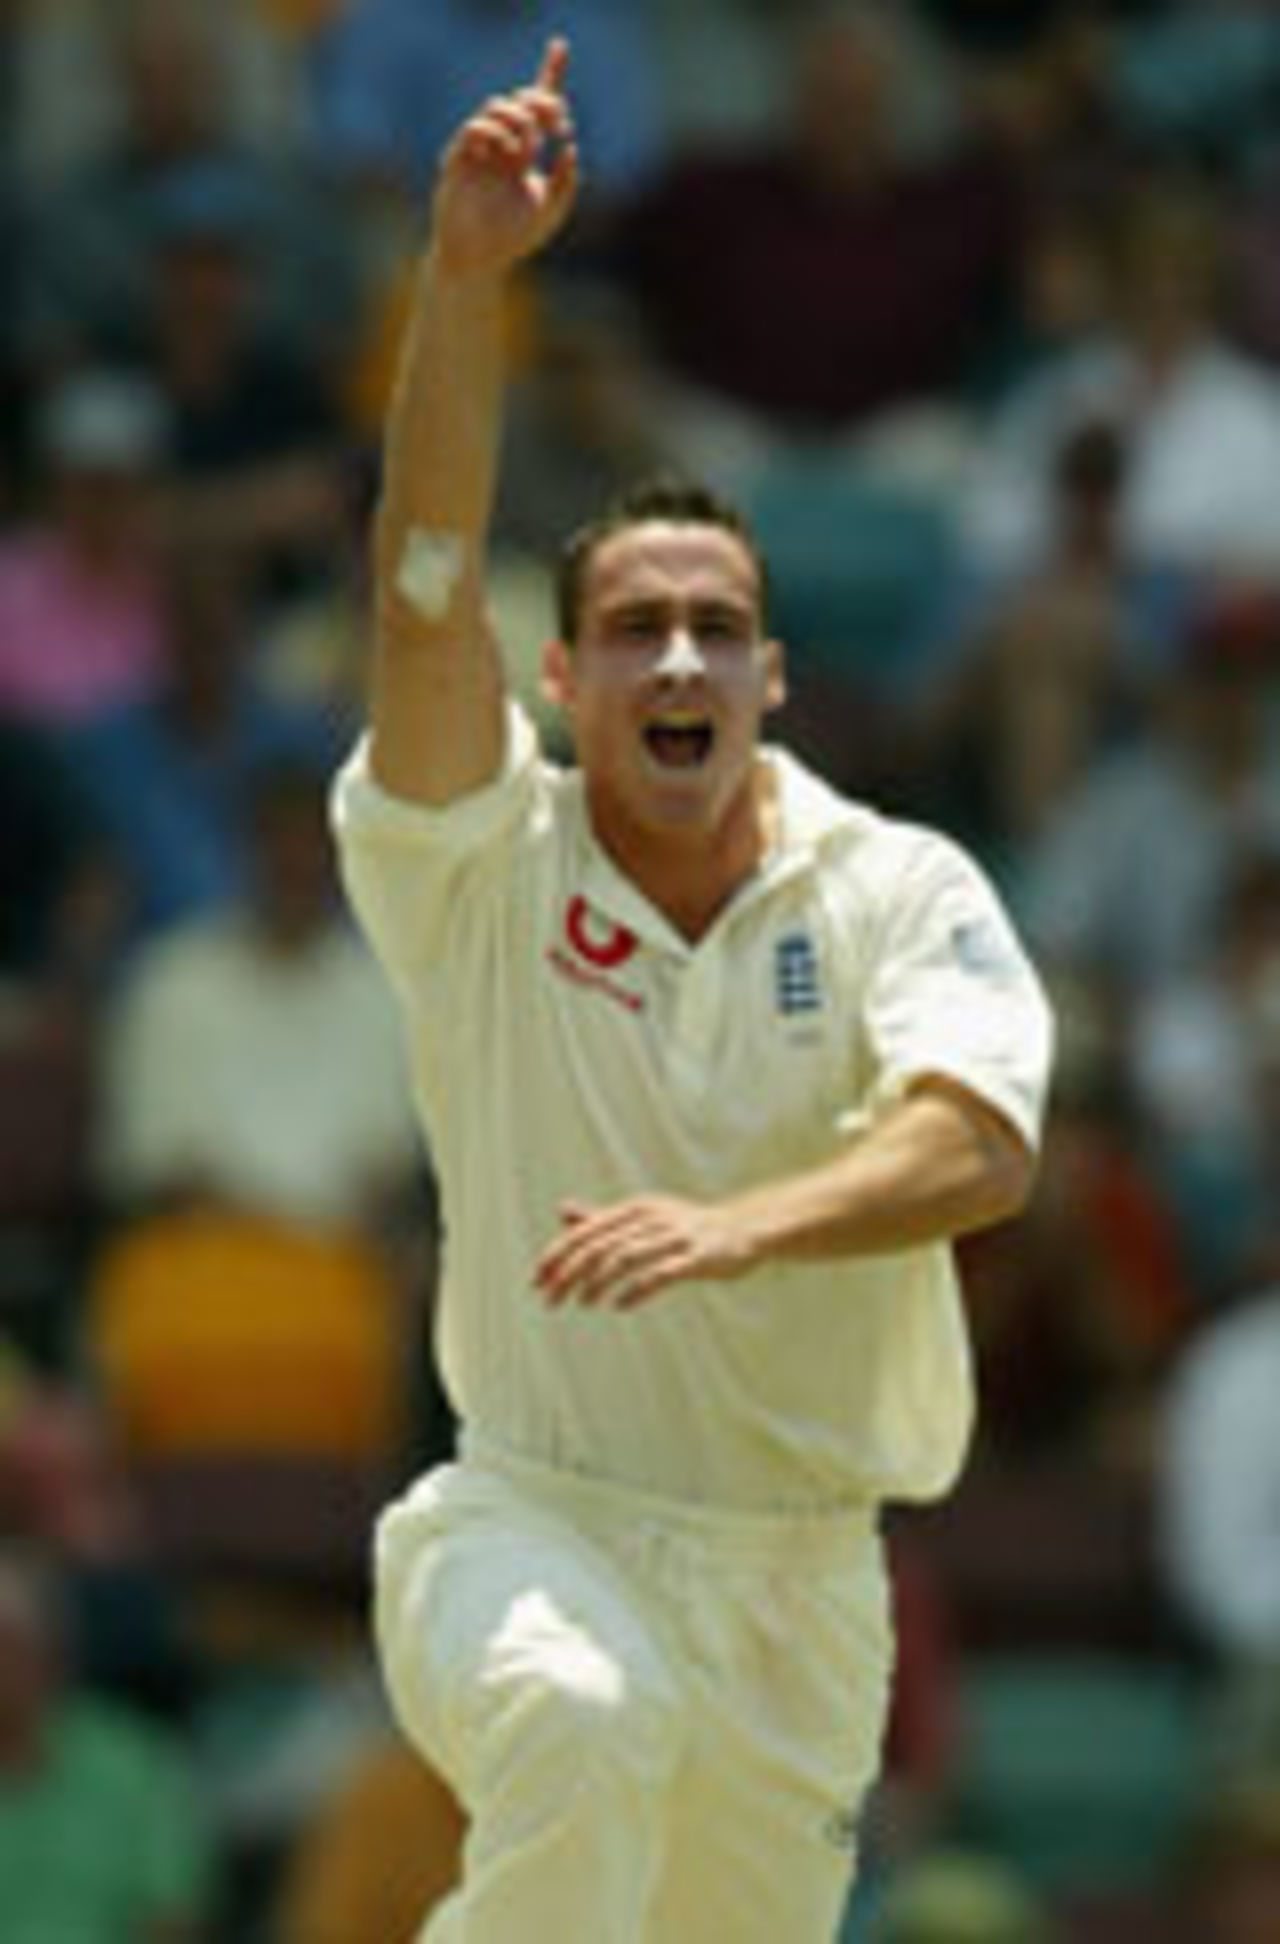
(661,1719)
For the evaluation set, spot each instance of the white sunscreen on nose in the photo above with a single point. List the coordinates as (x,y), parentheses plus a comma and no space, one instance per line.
(681,659)
(429,571)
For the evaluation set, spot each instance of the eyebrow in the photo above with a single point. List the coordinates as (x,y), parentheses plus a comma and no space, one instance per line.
(701,608)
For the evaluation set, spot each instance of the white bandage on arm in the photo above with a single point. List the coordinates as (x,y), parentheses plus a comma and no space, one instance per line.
(430,568)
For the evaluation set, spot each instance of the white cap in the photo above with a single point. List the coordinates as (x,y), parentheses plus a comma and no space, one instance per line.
(104,419)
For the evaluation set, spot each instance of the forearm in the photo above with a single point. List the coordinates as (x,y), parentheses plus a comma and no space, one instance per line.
(442,436)
(937,1166)
(932,1170)
(436,679)
(505,185)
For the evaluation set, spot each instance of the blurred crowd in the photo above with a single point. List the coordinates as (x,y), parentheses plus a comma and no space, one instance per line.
(976,308)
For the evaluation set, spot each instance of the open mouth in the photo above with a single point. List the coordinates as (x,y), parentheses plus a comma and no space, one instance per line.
(679,743)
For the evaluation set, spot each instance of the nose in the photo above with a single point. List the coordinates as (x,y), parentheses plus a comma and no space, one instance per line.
(682,659)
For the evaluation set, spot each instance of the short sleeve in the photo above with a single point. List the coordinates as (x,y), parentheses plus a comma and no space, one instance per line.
(952,992)
(403,865)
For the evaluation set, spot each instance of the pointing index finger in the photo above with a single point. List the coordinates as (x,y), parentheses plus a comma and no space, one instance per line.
(555,63)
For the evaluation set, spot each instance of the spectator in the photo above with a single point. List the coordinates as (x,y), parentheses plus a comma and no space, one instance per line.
(1200,421)
(166,777)
(239,394)
(62,925)
(1128,877)
(1038,79)
(745,47)
(1207,1066)
(310,651)
(60,1481)
(50,856)
(585,415)
(257,442)
(253,1059)
(164,87)
(248,1312)
(1028,679)
(394,77)
(1079,1307)
(1219,1477)
(101,1839)
(1035,699)
(86,77)
(1201,79)
(81,627)
(1081,553)
(868,303)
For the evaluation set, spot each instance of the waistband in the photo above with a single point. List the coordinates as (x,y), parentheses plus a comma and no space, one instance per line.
(605,1505)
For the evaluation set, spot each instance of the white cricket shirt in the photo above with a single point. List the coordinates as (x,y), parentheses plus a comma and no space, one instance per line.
(566,1042)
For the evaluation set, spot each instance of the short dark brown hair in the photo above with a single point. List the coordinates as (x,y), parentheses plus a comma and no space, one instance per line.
(667,498)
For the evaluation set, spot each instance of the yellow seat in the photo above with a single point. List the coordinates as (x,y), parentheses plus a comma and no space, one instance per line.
(219,1334)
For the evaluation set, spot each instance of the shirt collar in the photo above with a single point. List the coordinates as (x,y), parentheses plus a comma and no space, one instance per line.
(811,815)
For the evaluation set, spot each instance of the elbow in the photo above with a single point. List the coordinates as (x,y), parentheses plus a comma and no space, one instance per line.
(1008,1178)
(995,1164)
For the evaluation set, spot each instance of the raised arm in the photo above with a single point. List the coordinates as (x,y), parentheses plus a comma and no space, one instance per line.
(505,185)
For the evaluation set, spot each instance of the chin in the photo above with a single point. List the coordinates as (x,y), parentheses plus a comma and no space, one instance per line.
(658,815)
(684,800)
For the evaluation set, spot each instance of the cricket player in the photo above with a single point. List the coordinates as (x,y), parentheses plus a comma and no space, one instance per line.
(715,1064)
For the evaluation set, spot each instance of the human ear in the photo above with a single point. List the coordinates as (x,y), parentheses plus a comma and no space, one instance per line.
(775,675)
(557,674)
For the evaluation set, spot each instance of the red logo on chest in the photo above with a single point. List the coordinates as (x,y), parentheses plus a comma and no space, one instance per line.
(599,948)
(597,940)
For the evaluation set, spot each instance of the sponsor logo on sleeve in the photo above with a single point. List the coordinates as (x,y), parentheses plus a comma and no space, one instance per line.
(980,948)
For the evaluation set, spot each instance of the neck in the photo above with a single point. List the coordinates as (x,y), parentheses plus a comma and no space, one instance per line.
(691,898)
(691,875)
